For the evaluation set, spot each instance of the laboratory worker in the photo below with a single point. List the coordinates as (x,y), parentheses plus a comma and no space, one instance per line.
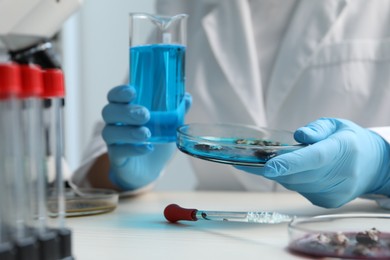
(317,68)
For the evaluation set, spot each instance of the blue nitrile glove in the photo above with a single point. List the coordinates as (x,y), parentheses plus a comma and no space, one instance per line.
(133,163)
(342,162)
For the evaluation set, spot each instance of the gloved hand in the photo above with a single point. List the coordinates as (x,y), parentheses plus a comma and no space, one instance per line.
(133,163)
(343,161)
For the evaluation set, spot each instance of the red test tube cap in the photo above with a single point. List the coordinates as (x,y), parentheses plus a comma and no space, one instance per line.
(31,80)
(53,83)
(9,80)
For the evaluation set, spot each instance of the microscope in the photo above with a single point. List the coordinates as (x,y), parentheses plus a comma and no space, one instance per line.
(27,28)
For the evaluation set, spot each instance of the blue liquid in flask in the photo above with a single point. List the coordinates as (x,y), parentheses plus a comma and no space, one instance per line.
(157,74)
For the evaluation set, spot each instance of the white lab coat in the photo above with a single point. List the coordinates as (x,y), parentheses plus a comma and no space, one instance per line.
(334,61)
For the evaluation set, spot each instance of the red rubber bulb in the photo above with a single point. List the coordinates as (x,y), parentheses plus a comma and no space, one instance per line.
(174,213)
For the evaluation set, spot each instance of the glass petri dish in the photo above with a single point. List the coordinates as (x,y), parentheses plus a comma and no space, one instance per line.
(81,202)
(342,236)
(234,144)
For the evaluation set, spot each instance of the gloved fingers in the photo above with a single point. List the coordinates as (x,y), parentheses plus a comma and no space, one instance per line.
(329,199)
(316,131)
(126,114)
(133,172)
(121,94)
(308,158)
(324,186)
(307,177)
(250,169)
(302,178)
(113,134)
(121,152)
(188,101)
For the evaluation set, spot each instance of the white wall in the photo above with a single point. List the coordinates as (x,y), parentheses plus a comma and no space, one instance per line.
(95,48)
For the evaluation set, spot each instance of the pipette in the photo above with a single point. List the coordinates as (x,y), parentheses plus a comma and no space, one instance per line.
(174,213)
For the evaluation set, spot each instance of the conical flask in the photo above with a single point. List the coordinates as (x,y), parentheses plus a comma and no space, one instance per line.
(157,47)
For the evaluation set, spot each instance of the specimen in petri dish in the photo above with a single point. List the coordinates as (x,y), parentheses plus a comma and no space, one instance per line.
(234,144)
(367,244)
(348,236)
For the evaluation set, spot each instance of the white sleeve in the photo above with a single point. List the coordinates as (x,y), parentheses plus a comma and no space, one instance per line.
(384,132)
(96,148)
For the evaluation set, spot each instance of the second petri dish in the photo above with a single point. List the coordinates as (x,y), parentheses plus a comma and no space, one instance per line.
(363,236)
(81,202)
(234,144)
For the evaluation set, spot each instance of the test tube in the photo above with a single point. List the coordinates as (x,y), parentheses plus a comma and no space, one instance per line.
(6,251)
(6,248)
(32,89)
(14,176)
(54,91)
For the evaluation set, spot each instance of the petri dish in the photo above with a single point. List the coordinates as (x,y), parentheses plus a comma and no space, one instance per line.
(341,236)
(234,144)
(82,201)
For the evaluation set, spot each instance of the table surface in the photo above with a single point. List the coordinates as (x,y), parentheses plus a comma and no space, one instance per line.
(137,229)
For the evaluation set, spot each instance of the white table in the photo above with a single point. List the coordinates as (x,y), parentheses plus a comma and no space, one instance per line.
(137,229)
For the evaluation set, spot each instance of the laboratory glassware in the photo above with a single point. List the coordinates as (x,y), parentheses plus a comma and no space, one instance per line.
(347,236)
(234,144)
(157,47)
(6,245)
(6,248)
(54,92)
(12,145)
(174,213)
(33,131)
(64,200)
(89,201)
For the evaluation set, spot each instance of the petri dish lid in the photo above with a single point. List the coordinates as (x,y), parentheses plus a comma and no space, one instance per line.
(234,144)
(84,201)
(347,236)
